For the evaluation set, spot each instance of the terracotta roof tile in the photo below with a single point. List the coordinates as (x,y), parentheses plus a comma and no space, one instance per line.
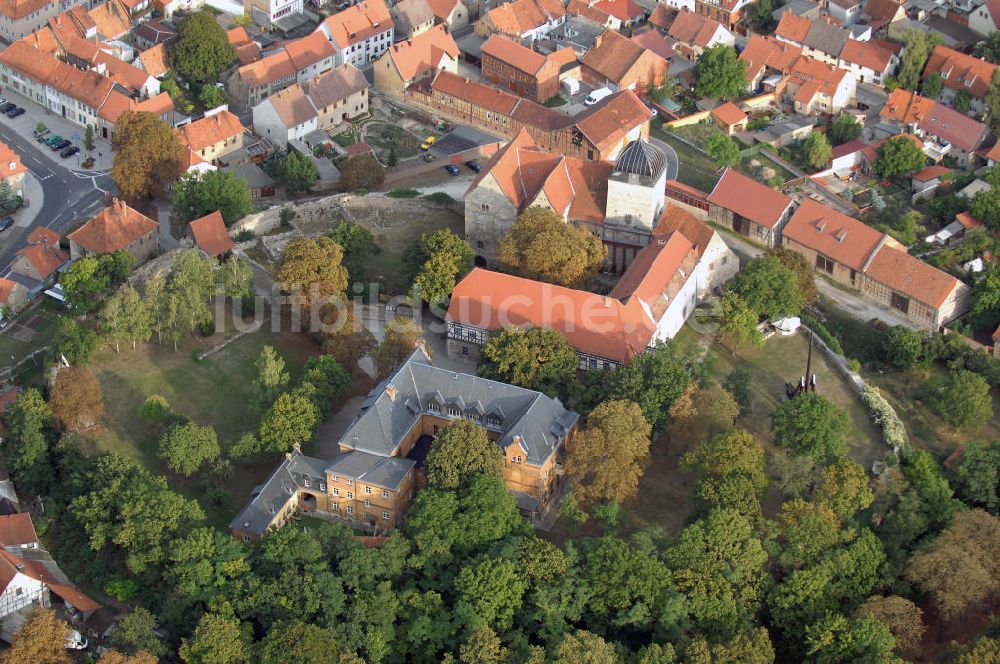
(867,54)
(113,228)
(961,71)
(602,11)
(43,252)
(292,106)
(210,234)
(729,113)
(358,22)
(521,16)
(931,173)
(273,68)
(17,529)
(609,122)
(480,94)
(652,40)
(815,75)
(414,56)
(154,60)
(882,12)
(661,17)
(749,198)
(248,53)
(112,19)
(906,107)
(911,276)
(15,10)
(520,57)
(793,28)
(833,234)
(613,56)
(10,162)
(767,52)
(692,28)
(958,128)
(238,36)
(7,288)
(442,8)
(211,130)
(413,12)
(968,221)
(309,50)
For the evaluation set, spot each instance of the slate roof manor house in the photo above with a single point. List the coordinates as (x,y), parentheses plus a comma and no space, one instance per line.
(371,483)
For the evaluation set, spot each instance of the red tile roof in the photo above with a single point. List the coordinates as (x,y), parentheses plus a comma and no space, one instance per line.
(867,54)
(617,327)
(43,252)
(16,530)
(968,221)
(729,113)
(958,128)
(850,147)
(113,228)
(442,8)
(692,28)
(7,288)
(358,22)
(519,57)
(793,28)
(652,40)
(521,16)
(15,10)
(601,11)
(615,56)
(931,173)
(238,36)
(911,276)
(210,234)
(154,60)
(212,130)
(906,107)
(961,71)
(273,68)
(10,162)
(749,198)
(611,121)
(833,234)
(762,52)
(425,51)
(309,50)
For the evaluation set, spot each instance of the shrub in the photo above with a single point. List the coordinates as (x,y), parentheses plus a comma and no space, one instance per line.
(121,589)
(854,364)
(245,235)
(440,198)
(822,333)
(155,409)
(893,431)
(403,193)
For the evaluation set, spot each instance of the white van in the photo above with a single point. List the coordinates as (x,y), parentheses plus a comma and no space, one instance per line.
(596,96)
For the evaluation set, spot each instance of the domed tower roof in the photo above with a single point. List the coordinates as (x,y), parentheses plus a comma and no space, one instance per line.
(641,158)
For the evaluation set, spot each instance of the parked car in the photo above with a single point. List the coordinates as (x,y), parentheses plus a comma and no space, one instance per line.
(428,142)
(452,169)
(474,166)
(14,112)
(56,147)
(69,152)
(6,106)
(54,138)
(6,223)
(596,96)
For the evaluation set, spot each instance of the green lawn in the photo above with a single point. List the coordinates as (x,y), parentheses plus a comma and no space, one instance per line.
(214,391)
(46,329)
(696,168)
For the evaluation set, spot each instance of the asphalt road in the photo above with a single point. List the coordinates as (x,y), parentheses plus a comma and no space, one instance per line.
(70,197)
(673,163)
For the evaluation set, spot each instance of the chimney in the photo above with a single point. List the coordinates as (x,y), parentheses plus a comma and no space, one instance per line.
(391,391)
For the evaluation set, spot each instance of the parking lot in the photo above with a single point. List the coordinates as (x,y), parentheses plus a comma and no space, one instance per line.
(460,139)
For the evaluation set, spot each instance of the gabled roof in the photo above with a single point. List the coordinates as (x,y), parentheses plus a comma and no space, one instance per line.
(815,75)
(113,228)
(10,162)
(729,113)
(750,199)
(906,107)
(238,36)
(357,23)
(882,12)
(614,55)
(961,71)
(610,121)
(273,68)
(601,11)
(292,106)
(763,52)
(127,76)
(15,10)
(521,16)
(416,55)
(154,31)
(931,173)
(335,85)
(118,103)
(911,276)
(827,38)
(154,60)
(652,40)
(112,19)
(210,234)
(867,54)
(833,234)
(211,130)
(309,50)
(958,128)
(793,28)
(693,28)
(661,16)
(519,57)
(7,288)
(443,8)
(412,12)
(43,251)
(617,326)
(17,530)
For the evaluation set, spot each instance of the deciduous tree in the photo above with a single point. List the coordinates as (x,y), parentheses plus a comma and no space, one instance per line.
(723,149)
(608,458)
(147,155)
(202,192)
(483,647)
(347,340)
(296,641)
(77,400)
(902,347)
(991,103)
(460,452)
(42,640)
(135,632)
(701,413)
(358,245)
(538,358)
(311,268)
(962,102)
(201,51)
(812,424)
(964,401)
(738,322)
(29,423)
(918,49)
(805,274)
(361,172)
(299,173)
(331,381)
(844,488)
(212,96)
(770,288)
(187,446)
(583,646)
(835,638)
(898,156)
(903,618)
(729,471)
(720,74)
(291,420)
(542,246)
(401,337)
(217,640)
(654,380)
(490,591)
(816,150)
(932,85)
(439,259)
(844,129)
(127,317)
(272,379)
(977,477)
(115,657)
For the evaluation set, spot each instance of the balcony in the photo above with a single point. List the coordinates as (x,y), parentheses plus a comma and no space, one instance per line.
(936,150)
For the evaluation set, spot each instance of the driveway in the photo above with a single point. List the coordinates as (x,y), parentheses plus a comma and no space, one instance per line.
(673,163)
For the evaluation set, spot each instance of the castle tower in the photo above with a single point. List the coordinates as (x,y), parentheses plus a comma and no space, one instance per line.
(636,187)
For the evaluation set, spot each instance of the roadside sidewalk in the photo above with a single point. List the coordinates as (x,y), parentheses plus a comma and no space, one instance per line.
(25,125)
(34,200)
